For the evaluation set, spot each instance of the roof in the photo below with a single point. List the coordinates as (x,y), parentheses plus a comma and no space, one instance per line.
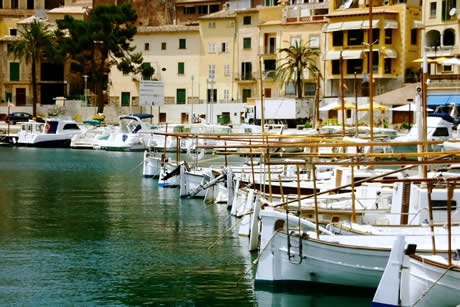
(68,10)
(221,14)
(168,29)
(355,12)
(399,96)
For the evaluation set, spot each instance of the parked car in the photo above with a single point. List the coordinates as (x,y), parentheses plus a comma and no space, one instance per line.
(21,117)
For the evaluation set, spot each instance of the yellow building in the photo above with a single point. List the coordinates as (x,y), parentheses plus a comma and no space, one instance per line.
(396,44)
(440,40)
(173,51)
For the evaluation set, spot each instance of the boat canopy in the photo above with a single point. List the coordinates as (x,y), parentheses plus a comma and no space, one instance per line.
(93,122)
(434,101)
(142,115)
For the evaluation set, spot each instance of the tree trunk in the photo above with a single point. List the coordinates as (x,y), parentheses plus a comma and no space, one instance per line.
(99,84)
(34,89)
(299,84)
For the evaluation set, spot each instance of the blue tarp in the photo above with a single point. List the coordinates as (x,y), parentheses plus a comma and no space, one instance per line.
(142,115)
(434,101)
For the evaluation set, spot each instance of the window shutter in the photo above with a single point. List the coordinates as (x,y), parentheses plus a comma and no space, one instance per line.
(14,71)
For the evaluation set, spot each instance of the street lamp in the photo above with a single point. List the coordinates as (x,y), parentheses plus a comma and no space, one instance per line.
(86,90)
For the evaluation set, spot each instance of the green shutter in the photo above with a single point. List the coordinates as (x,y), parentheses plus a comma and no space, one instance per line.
(247,43)
(443,11)
(182,44)
(9,97)
(267,2)
(125,97)
(180,96)
(14,71)
(180,68)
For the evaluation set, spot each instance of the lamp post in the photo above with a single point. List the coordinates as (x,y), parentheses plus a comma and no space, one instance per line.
(192,117)
(86,90)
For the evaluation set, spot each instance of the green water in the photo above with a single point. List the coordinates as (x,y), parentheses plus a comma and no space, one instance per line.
(84,228)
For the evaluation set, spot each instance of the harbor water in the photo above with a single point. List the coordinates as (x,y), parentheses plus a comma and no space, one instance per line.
(84,228)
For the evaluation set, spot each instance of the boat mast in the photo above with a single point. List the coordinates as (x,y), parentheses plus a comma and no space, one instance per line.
(371,79)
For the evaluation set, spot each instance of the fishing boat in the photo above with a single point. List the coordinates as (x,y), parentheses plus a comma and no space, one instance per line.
(91,134)
(55,132)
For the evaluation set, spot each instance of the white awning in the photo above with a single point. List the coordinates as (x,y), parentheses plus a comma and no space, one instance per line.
(390,24)
(389,53)
(352,25)
(352,54)
(332,55)
(375,24)
(332,27)
(418,24)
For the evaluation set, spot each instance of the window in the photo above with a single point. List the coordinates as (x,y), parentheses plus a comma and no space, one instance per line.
(247,43)
(30,4)
(246,94)
(180,68)
(335,67)
(227,69)
(224,47)
(375,62)
(146,46)
(180,96)
(189,10)
(212,95)
(213,8)
(290,89)
(14,4)
(163,46)
(212,72)
(295,40)
(269,65)
(71,127)
(447,68)
(389,36)
(9,97)
(432,9)
(314,41)
(442,131)
(337,38)
(442,205)
(211,47)
(1,4)
(309,89)
(246,20)
(202,9)
(413,36)
(376,35)
(13,31)
(212,25)
(14,71)
(226,95)
(246,71)
(355,37)
(272,45)
(125,97)
(182,43)
(387,66)
(355,66)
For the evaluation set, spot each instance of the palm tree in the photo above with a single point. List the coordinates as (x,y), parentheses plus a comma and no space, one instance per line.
(293,62)
(34,43)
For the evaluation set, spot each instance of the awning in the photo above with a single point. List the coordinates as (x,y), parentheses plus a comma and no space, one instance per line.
(390,24)
(375,24)
(332,55)
(389,53)
(434,101)
(332,27)
(352,25)
(352,54)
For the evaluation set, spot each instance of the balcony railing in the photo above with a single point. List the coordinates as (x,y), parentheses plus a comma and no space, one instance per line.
(308,12)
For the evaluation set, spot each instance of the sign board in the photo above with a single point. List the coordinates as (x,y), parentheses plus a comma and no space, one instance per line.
(151,93)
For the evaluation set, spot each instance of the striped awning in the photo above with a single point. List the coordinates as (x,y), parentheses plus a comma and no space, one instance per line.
(352,54)
(390,24)
(332,27)
(375,24)
(352,25)
(332,55)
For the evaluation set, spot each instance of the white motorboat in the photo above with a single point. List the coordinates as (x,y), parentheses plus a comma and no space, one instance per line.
(127,136)
(55,132)
(438,129)
(91,134)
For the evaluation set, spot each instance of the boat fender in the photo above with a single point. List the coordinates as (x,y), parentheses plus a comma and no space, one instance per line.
(47,128)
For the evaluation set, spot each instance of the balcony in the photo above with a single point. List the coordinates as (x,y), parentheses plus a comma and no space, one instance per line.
(246,77)
(309,12)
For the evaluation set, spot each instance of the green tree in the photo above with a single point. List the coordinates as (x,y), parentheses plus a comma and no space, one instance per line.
(293,62)
(35,43)
(102,41)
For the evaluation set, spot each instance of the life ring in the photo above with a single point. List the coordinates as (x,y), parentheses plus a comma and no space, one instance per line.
(47,128)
